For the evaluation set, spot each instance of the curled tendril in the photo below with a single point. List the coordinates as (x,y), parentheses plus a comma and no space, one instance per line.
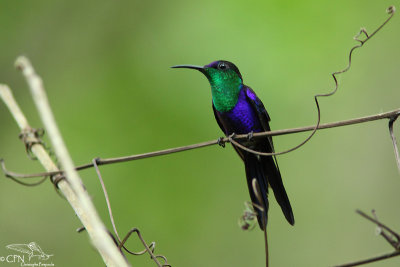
(390,10)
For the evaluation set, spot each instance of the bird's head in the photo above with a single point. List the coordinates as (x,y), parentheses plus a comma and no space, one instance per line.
(225,80)
(218,72)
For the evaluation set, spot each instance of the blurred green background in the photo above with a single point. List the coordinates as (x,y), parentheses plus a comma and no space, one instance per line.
(105,66)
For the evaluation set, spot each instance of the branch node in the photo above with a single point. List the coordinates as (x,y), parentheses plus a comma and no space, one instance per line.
(391,9)
(363,30)
(221,142)
(80,229)
(247,221)
(30,137)
(57,178)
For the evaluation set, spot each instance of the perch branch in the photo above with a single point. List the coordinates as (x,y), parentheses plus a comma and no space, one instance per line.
(99,161)
(99,236)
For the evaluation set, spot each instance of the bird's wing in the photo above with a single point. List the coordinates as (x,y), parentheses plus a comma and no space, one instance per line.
(270,163)
(259,106)
(262,113)
(225,131)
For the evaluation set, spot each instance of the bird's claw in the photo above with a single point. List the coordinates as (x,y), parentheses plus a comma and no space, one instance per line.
(250,135)
(221,142)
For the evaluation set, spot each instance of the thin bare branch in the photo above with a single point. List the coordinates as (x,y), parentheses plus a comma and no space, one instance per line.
(396,150)
(379,224)
(374,259)
(394,243)
(107,199)
(387,236)
(100,238)
(118,239)
(263,209)
(379,116)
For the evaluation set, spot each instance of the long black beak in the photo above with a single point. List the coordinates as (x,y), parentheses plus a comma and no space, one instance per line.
(199,68)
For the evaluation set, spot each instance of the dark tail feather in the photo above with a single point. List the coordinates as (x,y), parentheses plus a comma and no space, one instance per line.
(254,169)
(275,180)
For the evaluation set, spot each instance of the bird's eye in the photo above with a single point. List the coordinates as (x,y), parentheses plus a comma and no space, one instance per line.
(221,66)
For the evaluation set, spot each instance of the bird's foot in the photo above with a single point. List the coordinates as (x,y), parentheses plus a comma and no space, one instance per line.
(221,142)
(96,160)
(250,135)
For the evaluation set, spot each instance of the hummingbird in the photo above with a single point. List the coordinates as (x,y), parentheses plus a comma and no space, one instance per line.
(238,110)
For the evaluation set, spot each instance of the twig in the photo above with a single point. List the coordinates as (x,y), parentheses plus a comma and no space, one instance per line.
(107,199)
(388,237)
(88,215)
(42,104)
(375,117)
(118,239)
(263,209)
(394,243)
(396,150)
(379,224)
(374,259)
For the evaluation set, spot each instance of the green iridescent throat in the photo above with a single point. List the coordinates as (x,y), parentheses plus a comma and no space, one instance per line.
(225,88)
